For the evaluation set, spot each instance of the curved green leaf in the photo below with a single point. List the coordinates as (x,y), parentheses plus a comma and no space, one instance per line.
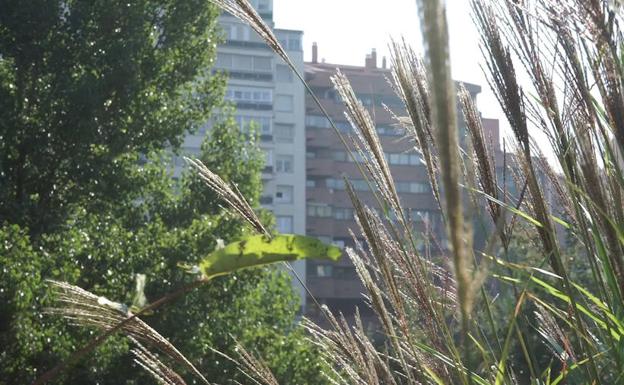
(260,250)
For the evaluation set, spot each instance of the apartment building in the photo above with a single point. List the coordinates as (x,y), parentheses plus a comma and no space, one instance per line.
(267,94)
(329,210)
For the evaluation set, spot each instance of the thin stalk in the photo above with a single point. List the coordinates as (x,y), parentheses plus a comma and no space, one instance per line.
(435,34)
(99,340)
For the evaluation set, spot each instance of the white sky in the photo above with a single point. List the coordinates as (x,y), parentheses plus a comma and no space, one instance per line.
(346,30)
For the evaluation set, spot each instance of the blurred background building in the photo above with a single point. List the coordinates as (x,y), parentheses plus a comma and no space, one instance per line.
(268,96)
(306,161)
(330,215)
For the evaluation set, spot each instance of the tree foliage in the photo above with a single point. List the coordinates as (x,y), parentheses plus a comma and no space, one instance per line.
(94,96)
(85,86)
(102,251)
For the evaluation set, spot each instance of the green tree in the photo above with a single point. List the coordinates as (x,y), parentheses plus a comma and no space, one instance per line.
(85,86)
(91,95)
(102,251)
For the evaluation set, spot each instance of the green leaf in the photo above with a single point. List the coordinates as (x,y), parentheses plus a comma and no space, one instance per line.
(260,250)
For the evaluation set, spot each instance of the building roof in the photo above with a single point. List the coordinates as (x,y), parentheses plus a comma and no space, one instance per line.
(362,78)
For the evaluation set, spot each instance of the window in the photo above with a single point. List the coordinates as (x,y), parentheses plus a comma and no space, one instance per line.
(366,100)
(242,32)
(236,31)
(255,38)
(264,123)
(284,224)
(317,121)
(319,210)
(284,103)
(339,243)
(338,184)
(360,185)
(402,187)
(224,60)
(261,63)
(284,194)
(419,215)
(261,123)
(343,126)
(290,41)
(324,270)
(419,187)
(403,159)
(284,163)
(333,184)
(324,238)
(242,62)
(283,73)
(227,29)
(412,187)
(331,94)
(249,95)
(344,272)
(268,158)
(310,183)
(390,131)
(294,44)
(284,133)
(343,213)
(263,6)
(340,156)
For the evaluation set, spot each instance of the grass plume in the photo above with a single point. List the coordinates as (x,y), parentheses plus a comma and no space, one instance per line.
(550,309)
(444,118)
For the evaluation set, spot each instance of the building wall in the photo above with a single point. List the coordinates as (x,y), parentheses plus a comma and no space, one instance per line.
(265,91)
(329,209)
(290,89)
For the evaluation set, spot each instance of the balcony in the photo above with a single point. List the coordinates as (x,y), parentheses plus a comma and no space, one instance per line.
(255,76)
(267,173)
(320,167)
(337,228)
(247,44)
(254,106)
(320,137)
(320,194)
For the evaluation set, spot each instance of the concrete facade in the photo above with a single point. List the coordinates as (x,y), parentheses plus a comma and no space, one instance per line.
(329,209)
(268,95)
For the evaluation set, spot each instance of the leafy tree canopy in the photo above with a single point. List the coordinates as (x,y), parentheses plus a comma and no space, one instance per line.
(94,95)
(87,85)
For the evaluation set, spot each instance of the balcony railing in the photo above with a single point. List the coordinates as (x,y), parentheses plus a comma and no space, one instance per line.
(254,106)
(318,137)
(320,167)
(266,138)
(257,76)
(247,44)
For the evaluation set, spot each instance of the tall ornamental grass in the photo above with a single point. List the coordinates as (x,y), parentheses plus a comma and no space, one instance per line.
(541,301)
